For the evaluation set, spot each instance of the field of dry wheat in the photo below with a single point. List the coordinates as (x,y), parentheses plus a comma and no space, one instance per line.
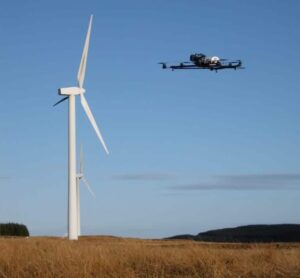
(121,257)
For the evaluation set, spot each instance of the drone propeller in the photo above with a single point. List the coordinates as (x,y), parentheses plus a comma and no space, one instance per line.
(181,62)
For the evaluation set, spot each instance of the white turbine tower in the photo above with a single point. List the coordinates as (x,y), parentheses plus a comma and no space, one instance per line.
(71,93)
(80,177)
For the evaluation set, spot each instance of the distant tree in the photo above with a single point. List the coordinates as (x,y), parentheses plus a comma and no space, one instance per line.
(13,229)
(250,233)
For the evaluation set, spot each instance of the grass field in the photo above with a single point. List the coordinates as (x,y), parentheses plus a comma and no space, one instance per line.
(121,257)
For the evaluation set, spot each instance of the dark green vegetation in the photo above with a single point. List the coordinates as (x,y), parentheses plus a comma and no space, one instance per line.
(251,233)
(13,229)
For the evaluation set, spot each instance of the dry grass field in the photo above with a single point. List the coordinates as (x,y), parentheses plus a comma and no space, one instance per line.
(121,257)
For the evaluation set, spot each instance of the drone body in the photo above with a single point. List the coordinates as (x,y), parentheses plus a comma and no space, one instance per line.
(201,61)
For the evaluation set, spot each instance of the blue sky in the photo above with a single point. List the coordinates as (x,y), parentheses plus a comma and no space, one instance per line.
(189,151)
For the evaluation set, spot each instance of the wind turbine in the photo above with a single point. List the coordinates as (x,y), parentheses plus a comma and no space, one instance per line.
(70,93)
(80,177)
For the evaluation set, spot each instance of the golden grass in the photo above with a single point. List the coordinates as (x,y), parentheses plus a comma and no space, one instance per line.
(121,257)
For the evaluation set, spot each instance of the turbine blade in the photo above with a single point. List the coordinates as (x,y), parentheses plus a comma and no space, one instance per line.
(92,120)
(88,186)
(81,160)
(83,61)
(60,101)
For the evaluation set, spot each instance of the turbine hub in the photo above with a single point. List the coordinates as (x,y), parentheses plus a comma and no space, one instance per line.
(79,175)
(70,91)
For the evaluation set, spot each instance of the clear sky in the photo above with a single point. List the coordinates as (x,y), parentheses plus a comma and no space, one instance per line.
(189,150)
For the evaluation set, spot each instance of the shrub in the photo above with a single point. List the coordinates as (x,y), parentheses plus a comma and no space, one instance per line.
(13,229)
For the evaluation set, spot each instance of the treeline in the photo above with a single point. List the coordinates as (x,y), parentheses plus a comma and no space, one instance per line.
(13,229)
(251,233)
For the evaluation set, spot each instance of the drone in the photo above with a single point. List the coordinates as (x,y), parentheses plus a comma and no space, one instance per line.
(201,61)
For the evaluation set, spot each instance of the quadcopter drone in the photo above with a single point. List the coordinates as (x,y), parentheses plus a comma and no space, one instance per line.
(201,61)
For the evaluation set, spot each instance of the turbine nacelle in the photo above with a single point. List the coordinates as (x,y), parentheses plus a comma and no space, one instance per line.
(79,176)
(71,91)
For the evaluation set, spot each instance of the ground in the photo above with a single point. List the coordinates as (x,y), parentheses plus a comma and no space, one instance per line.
(123,257)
